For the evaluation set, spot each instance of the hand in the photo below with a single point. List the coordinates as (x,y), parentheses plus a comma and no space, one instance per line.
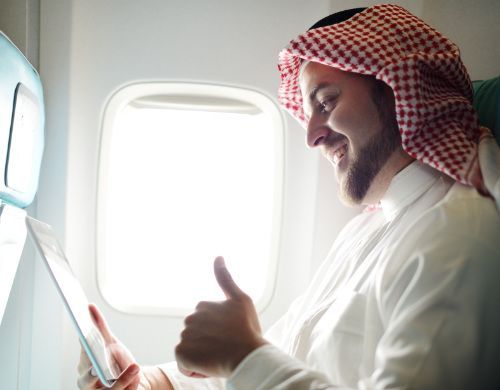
(132,377)
(219,335)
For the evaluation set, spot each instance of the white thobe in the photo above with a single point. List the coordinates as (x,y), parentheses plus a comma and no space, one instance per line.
(409,297)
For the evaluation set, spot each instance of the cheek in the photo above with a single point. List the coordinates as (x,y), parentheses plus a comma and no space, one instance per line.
(355,121)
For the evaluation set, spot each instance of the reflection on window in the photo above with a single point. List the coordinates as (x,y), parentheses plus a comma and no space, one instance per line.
(181,184)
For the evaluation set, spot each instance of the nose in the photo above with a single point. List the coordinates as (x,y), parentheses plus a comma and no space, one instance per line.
(316,133)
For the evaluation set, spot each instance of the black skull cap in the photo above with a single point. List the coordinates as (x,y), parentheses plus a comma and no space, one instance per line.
(337,17)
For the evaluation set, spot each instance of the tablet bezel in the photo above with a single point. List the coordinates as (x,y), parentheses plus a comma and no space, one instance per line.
(39,232)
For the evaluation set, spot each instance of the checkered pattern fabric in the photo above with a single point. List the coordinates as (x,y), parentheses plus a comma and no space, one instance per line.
(432,89)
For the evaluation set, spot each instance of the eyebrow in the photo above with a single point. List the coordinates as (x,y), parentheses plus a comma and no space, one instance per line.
(316,89)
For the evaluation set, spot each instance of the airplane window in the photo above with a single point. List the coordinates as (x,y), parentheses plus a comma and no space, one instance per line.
(187,172)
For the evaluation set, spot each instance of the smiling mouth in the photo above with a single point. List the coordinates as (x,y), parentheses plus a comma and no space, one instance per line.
(338,154)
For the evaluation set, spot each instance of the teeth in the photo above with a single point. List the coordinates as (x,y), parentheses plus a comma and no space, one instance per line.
(339,153)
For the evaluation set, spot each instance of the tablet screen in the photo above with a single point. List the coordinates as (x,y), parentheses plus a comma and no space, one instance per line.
(74,299)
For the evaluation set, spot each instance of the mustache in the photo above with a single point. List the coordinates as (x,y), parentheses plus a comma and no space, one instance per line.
(333,139)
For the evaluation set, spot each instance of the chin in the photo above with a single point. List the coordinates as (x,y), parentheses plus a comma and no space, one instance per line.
(347,197)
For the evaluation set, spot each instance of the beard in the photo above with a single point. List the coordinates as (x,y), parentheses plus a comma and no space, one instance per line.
(372,157)
(367,165)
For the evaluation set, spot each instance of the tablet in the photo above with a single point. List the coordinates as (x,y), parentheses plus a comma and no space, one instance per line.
(74,300)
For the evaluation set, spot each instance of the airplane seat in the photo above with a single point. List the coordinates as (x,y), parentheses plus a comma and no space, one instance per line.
(21,145)
(487,104)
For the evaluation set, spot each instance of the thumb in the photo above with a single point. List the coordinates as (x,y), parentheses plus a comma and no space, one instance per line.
(225,280)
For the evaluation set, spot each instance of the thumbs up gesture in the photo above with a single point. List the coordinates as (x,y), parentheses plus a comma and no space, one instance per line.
(218,335)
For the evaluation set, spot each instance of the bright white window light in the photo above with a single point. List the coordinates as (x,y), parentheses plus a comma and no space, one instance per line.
(187,172)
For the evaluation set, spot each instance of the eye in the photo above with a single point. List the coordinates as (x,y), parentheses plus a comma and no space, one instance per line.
(326,105)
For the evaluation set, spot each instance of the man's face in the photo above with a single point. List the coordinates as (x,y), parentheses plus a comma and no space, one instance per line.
(356,134)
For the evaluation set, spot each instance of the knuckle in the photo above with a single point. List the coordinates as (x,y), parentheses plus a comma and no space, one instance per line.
(203,306)
(184,334)
(245,298)
(179,351)
(189,320)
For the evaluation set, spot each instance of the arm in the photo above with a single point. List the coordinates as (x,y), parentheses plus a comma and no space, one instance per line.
(439,307)
(441,332)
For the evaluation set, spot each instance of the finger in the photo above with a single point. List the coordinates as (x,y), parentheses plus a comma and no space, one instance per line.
(88,380)
(121,355)
(225,280)
(84,363)
(129,379)
(100,323)
(191,374)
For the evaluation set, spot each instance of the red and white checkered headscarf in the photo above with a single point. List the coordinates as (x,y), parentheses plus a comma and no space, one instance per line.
(432,89)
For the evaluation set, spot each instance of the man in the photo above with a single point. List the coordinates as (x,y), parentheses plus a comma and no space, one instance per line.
(408,296)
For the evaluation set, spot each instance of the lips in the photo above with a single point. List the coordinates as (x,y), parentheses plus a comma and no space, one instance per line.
(339,154)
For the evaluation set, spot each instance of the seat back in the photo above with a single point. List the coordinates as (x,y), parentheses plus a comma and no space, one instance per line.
(487,104)
(21,146)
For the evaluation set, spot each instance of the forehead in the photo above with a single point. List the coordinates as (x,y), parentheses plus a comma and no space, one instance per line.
(313,74)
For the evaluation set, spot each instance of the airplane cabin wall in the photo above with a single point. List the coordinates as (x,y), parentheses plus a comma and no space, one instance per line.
(87,50)
(19,20)
(474,27)
(90,49)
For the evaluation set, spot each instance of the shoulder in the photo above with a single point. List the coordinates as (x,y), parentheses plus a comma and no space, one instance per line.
(460,234)
(462,214)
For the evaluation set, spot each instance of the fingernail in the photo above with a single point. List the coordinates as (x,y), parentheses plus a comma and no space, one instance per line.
(92,313)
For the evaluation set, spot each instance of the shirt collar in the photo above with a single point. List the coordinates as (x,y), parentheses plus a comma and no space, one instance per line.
(407,186)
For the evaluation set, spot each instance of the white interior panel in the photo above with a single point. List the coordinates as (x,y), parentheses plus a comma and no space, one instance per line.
(114,43)
(89,49)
